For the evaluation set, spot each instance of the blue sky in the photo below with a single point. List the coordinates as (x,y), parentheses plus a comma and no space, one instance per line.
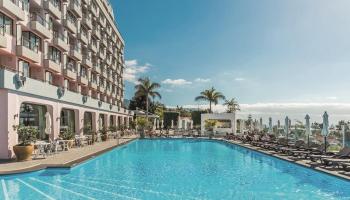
(262,52)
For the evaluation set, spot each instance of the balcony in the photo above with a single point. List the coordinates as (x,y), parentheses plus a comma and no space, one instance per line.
(70,24)
(96,32)
(110,47)
(93,85)
(75,53)
(104,41)
(38,25)
(87,22)
(102,54)
(75,7)
(83,37)
(104,73)
(28,51)
(60,42)
(70,74)
(93,10)
(52,65)
(53,8)
(83,80)
(13,8)
(96,69)
(93,47)
(3,40)
(87,62)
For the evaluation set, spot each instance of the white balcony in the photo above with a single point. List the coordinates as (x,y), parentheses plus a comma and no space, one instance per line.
(83,38)
(97,69)
(75,54)
(70,74)
(93,85)
(12,8)
(53,9)
(87,22)
(93,47)
(96,32)
(3,41)
(86,62)
(40,29)
(75,7)
(28,53)
(83,80)
(102,54)
(52,65)
(60,43)
(70,25)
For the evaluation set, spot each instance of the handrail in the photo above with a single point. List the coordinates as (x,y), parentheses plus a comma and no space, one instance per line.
(36,17)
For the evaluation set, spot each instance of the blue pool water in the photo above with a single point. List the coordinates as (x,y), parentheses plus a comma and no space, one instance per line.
(177,169)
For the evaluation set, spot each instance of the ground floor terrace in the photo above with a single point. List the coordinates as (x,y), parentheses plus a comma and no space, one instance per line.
(38,104)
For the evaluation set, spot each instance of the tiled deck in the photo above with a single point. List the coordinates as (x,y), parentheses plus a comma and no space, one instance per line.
(63,159)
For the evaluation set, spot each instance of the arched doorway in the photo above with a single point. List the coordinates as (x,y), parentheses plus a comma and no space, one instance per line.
(33,115)
(87,123)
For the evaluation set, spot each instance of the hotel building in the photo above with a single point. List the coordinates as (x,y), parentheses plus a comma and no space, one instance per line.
(64,58)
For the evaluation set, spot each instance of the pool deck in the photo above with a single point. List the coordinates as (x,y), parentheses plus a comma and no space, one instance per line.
(64,159)
(305,163)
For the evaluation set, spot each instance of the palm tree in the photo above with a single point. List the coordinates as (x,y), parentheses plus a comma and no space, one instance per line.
(147,88)
(210,95)
(232,105)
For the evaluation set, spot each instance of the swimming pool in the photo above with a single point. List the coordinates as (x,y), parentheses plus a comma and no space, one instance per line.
(177,169)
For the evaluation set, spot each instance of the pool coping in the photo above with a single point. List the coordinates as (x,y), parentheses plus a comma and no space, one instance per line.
(70,164)
(285,158)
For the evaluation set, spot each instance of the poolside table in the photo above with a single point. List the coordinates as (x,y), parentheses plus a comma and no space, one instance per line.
(41,147)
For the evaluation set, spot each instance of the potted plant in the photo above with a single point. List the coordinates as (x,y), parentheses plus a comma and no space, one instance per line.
(104,134)
(26,136)
(68,134)
(209,126)
(141,125)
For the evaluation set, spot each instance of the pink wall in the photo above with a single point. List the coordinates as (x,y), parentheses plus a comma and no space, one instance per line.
(10,104)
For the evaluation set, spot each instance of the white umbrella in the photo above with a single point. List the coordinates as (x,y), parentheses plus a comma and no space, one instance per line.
(325,129)
(307,128)
(260,124)
(162,124)
(172,124)
(270,125)
(343,127)
(191,124)
(158,124)
(286,126)
(100,125)
(48,123)
(154,124)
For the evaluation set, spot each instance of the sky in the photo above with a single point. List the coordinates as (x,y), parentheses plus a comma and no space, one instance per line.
(275,57)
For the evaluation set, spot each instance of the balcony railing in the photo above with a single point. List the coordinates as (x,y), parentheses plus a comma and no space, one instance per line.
(56,3)
(2,29)
(24,5)
(30,44)
(36,17)
(71,67)
(59,35)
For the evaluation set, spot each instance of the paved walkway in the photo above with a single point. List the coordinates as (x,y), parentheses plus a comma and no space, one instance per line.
(305,163)
(65,158)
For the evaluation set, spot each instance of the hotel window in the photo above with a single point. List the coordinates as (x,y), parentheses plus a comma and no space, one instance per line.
(6,25)
(83,72)
(31,41)
(56,3)
(25,68)
(49,78)
(67,120)
(71,18)
(55,55)
(71,65)
(33,115)
(23,4)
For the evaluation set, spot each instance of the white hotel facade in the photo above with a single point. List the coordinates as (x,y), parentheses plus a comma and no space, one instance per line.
(62,57)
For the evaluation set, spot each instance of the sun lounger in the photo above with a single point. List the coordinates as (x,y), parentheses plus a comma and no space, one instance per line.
(343,153)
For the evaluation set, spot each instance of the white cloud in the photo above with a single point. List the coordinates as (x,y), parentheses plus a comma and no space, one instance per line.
(202,80)
(332,98)
(133,70)
(278,111)
(176,82)
(239,79)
